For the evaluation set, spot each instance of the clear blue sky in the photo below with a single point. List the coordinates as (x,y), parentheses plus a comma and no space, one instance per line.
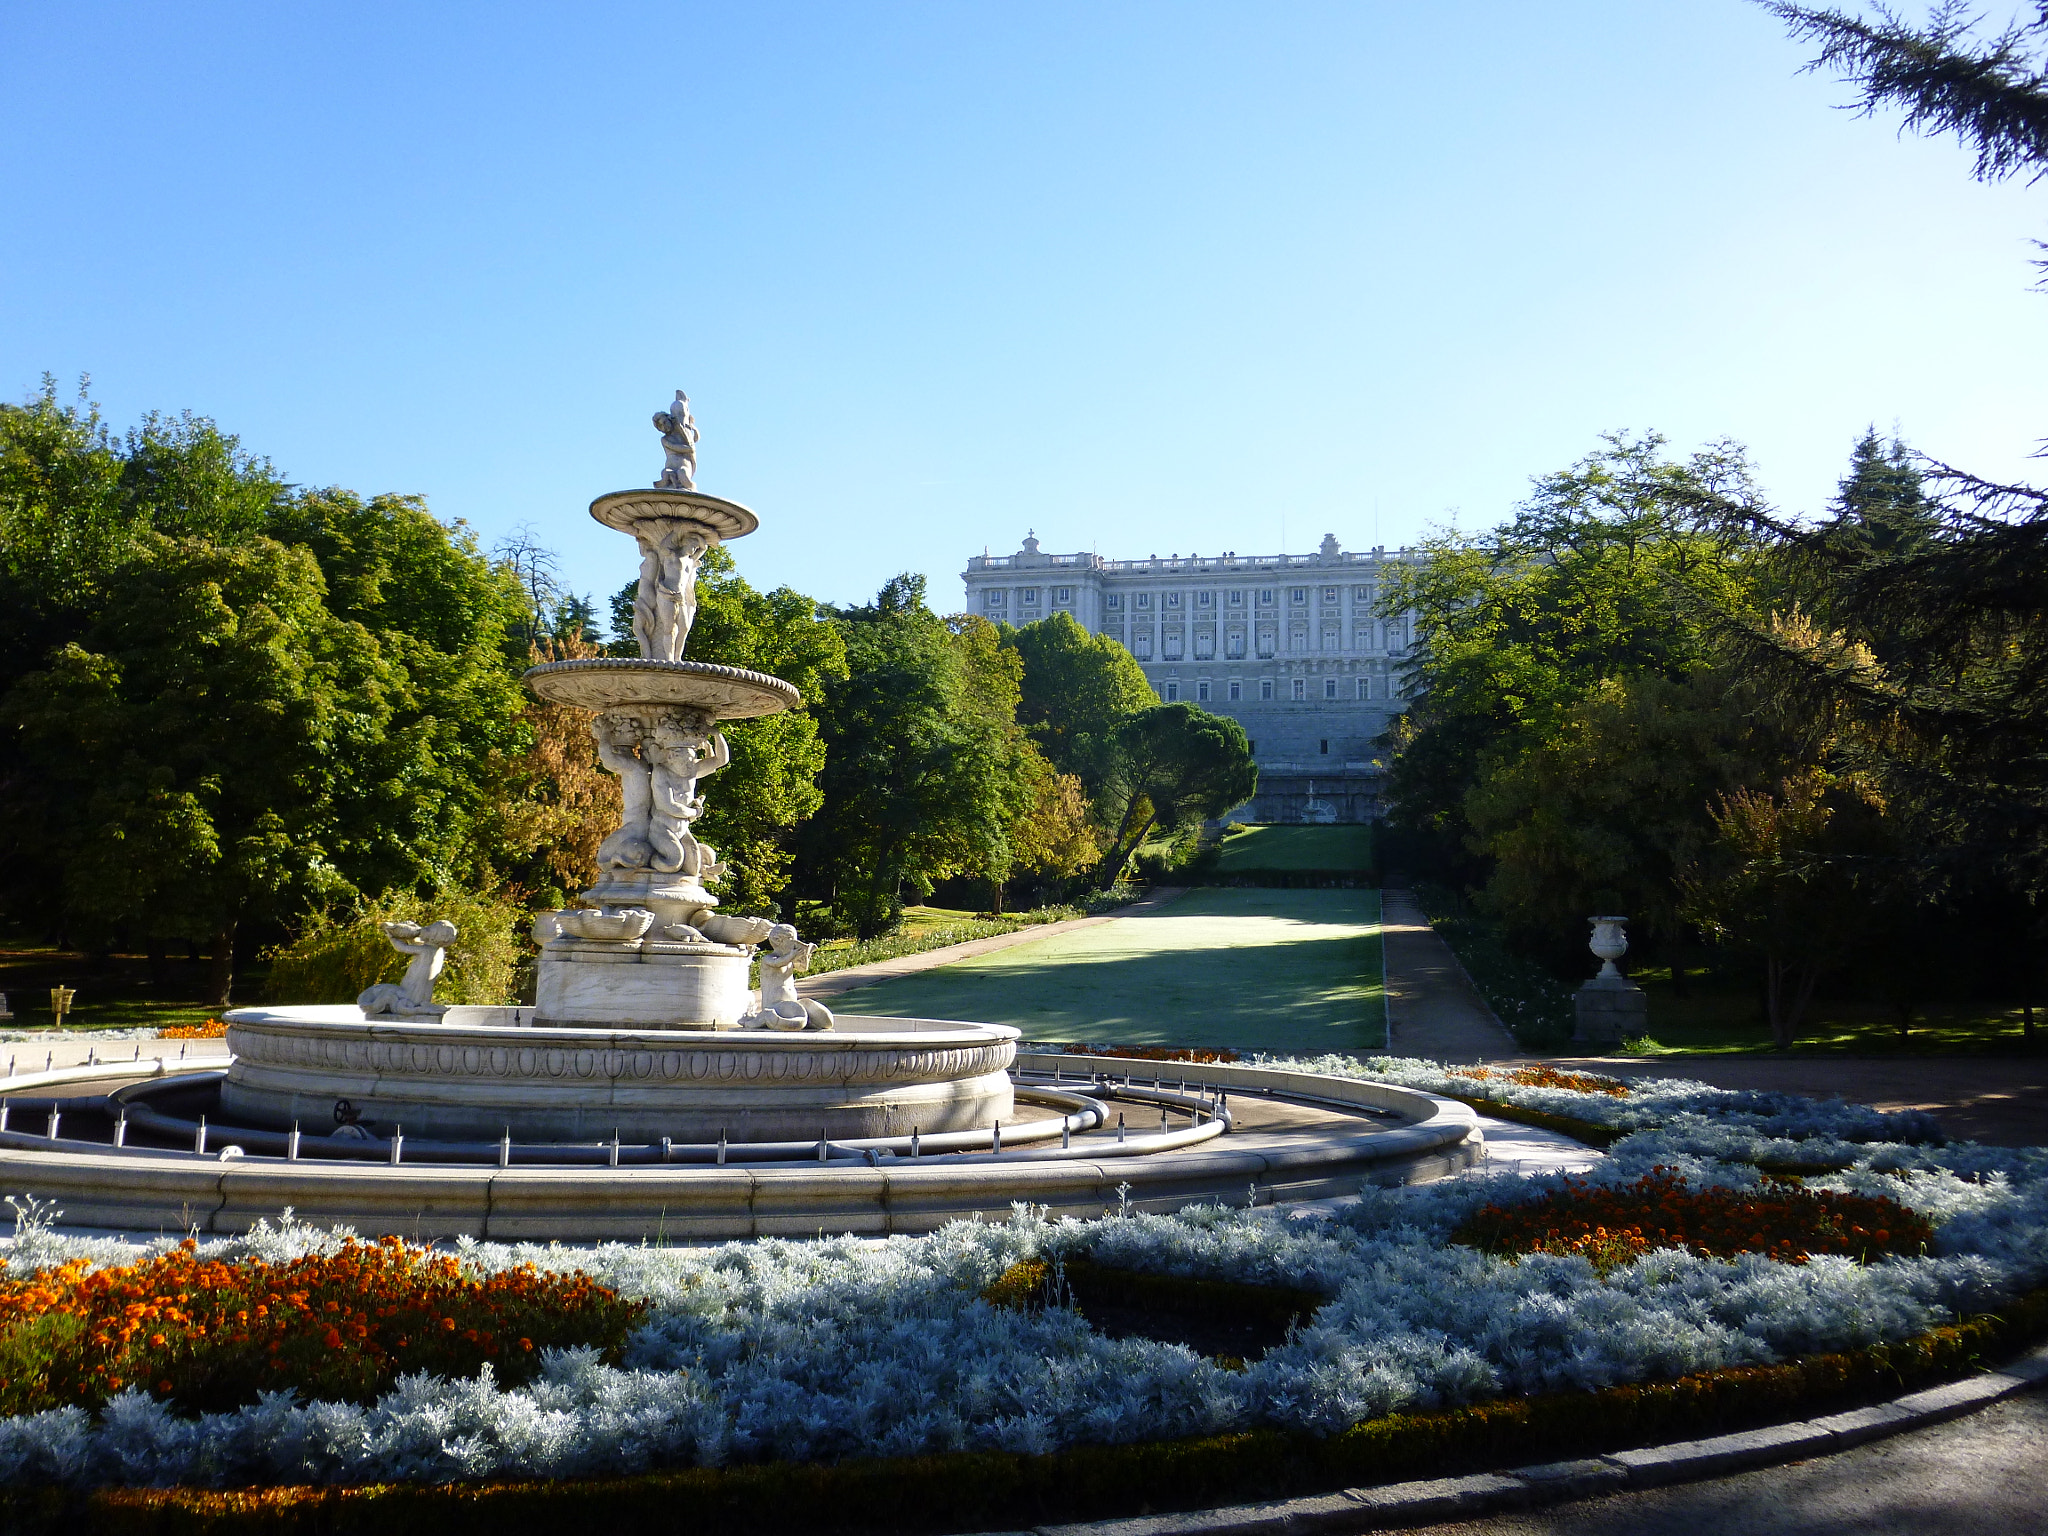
(1145,277)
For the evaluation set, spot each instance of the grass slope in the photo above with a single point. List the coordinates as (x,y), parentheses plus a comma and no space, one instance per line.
(1290,848)
(1271,970)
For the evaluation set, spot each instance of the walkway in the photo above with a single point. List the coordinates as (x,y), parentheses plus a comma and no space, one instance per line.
(1976,1476)
(1435,1011)
(2002,1100)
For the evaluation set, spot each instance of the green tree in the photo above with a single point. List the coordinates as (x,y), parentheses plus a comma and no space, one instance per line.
(1167,769)
(1777,884)
(395,650)
(1076,689)
(188,748)
(923,774)
(422,801)
(1989,91)
(1604,814)
(1053,838)
(1595,579)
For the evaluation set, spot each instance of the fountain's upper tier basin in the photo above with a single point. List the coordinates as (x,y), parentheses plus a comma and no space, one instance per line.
(480,1071)
(619,682)
(719,518)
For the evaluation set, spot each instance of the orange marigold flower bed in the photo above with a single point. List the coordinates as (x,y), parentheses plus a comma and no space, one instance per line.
(212,1029)
(211,1334)
(1154,1053)
(1612,1226)
(1548,1077)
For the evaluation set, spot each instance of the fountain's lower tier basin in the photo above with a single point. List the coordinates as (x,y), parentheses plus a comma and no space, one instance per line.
(475,1080)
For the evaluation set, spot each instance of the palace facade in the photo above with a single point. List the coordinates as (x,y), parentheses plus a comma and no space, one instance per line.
(1289,646)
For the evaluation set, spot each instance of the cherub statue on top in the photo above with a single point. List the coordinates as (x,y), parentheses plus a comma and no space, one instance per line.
(413,996)
(679,442)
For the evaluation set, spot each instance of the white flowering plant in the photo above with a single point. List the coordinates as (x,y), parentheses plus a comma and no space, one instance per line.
(842,1348)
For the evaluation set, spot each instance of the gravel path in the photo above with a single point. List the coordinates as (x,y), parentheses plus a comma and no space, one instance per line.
(1435,1011)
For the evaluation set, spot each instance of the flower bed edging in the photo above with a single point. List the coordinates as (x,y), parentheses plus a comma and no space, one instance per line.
(981,1490)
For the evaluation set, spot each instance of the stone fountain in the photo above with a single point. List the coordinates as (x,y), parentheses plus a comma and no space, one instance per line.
(643,1024)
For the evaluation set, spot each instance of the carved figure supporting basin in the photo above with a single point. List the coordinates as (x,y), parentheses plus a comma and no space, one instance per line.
(473,1080)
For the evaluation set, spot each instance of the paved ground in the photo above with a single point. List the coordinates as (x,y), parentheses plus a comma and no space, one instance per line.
(28,1054)
(1435,1011)
(1978,1476)
(2000,1100)
(1293,971)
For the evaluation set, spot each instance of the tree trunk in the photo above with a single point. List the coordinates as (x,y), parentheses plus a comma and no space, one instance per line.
(220,974)
(995,888)
(159,967)
(1774,1001)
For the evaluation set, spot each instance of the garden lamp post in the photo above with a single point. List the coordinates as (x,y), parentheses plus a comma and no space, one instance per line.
(60,1002)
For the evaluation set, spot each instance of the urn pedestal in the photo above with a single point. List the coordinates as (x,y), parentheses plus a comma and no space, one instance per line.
(1610,1008)
(1608,1012)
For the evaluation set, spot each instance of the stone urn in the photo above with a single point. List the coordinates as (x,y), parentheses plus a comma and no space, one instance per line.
(1609,943)
(1609,1008)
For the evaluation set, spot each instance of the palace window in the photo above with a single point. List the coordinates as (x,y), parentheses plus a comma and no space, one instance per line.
(1063,594)
(1329,594)
(1298,595)
(1236,690)
(1329,687)
(1237,599)
(1265,688)
(995,599)
(1141,645)
(1330,637)
(1365,687)
(1172,648)
(1324,748)
(1233,644)
(1205,647)
(1297,638)
(1144,599)
(1116,600)
(1266,596)
(1173,693)
(1201,693)
(1362,594)
(1300,688)
(1173,599)
(1029,596)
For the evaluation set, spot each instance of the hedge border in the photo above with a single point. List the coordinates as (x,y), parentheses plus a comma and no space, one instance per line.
(994,1491)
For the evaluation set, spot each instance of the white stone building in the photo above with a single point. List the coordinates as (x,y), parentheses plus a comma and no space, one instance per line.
(1289,646)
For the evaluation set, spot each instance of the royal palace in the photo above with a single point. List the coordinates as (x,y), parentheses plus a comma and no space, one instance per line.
(1292,647)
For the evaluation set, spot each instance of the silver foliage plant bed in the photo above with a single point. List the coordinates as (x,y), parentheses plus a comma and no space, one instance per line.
(841,1348)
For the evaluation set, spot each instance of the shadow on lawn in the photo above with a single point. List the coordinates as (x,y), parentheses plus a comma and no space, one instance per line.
(1308,994)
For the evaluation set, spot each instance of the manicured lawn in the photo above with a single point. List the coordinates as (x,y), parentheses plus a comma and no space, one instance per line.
(1284,971)
(112,991)
(1256,848)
